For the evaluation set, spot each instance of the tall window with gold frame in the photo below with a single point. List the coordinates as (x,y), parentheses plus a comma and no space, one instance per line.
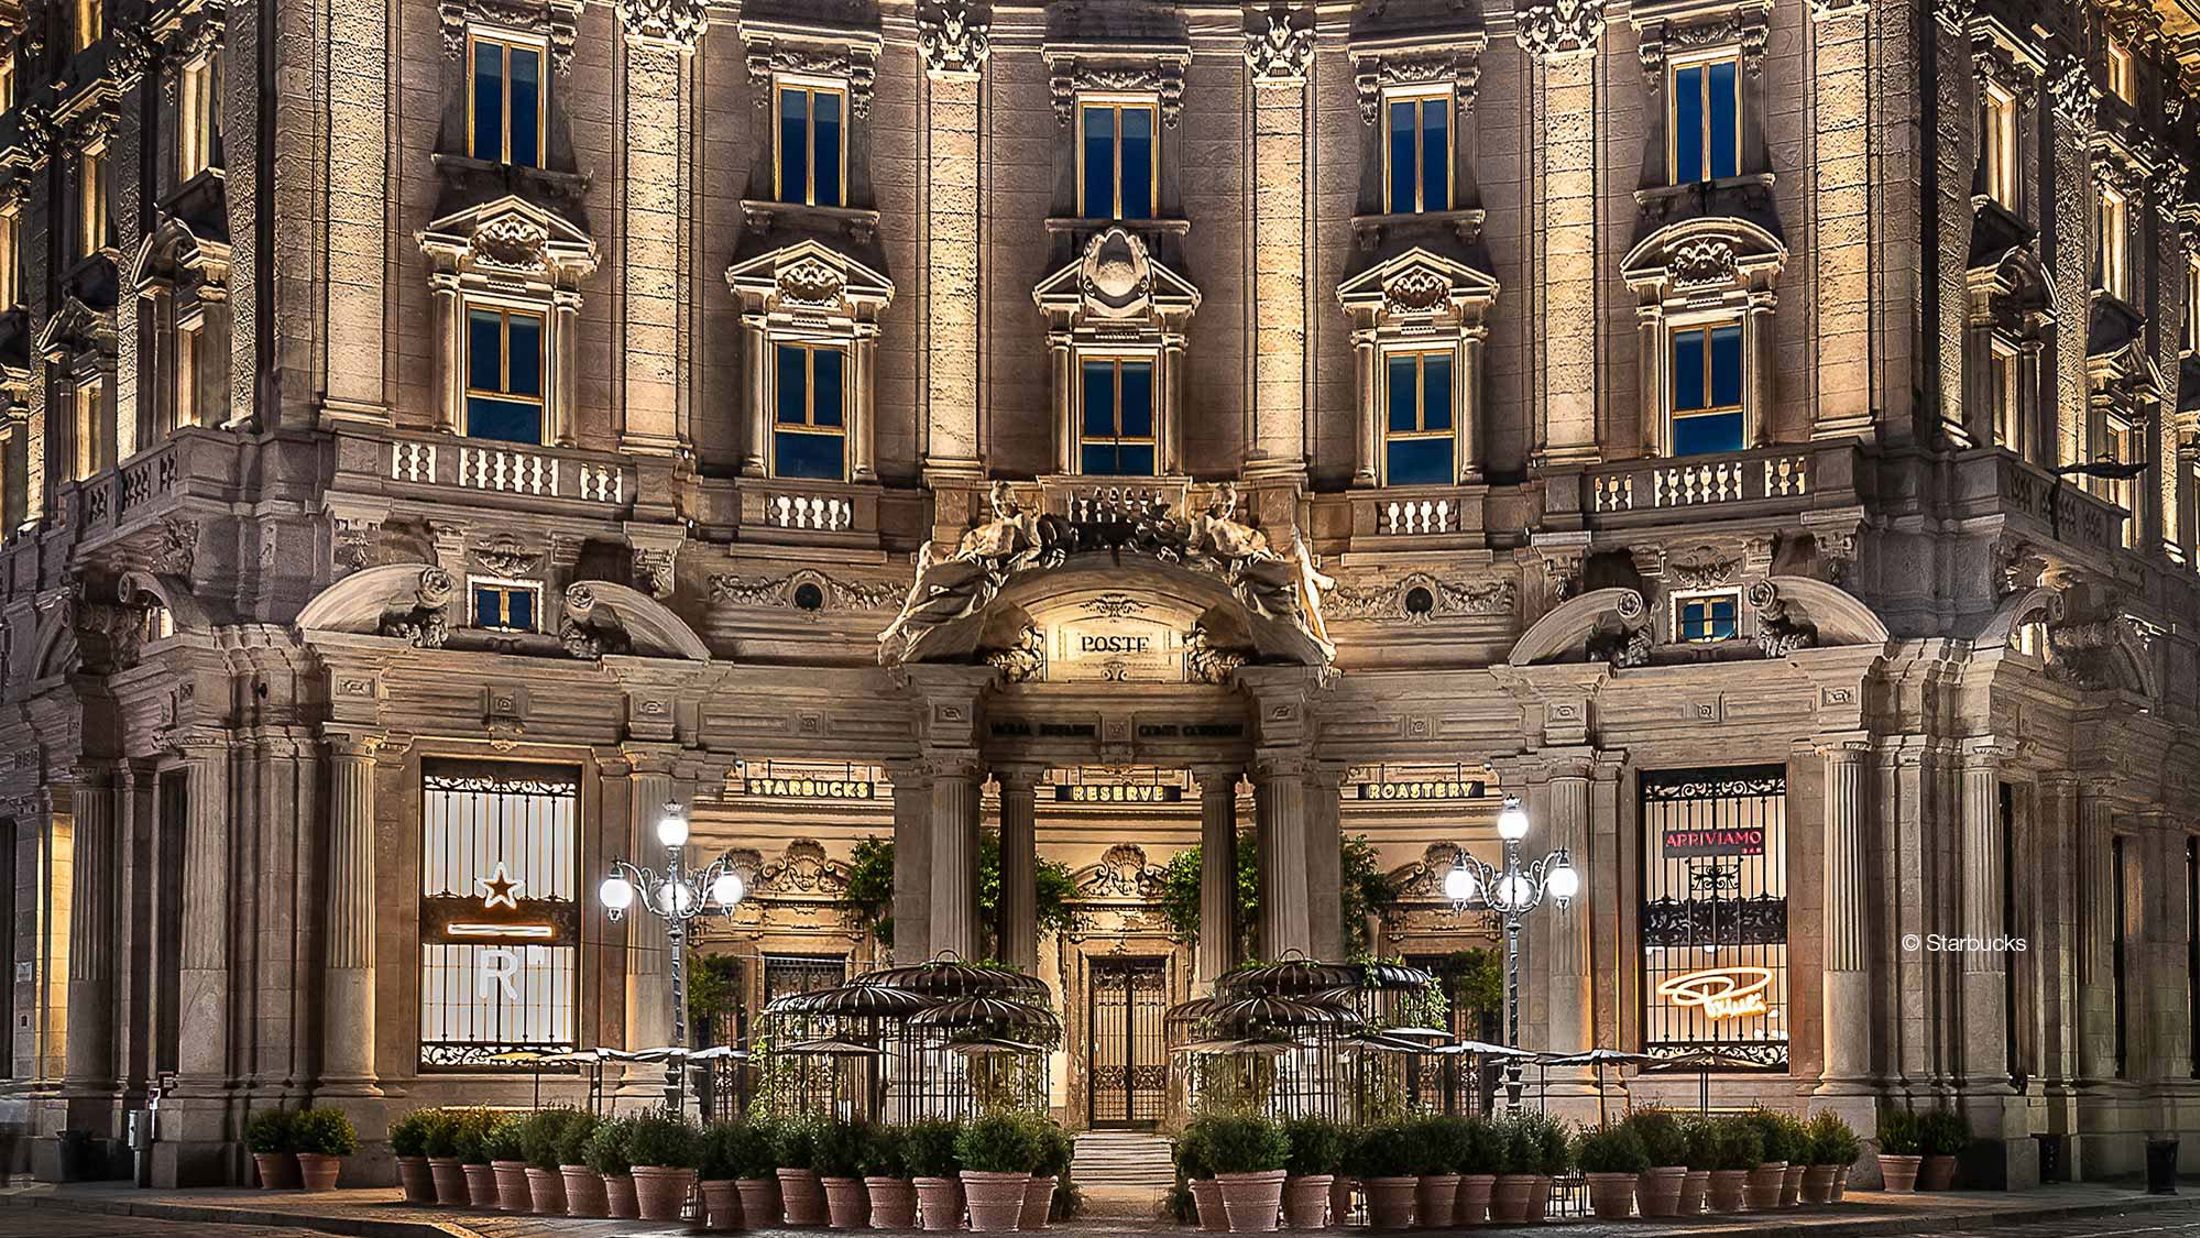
(1998,133)
(90,23)
(91,203)
(1703,117)
(1118,156)
(504,374)
(1418,435)
(1417,150)
(2112,243)
(506,98)
(810,154)
(810,411)
(198,115)
(1117,434)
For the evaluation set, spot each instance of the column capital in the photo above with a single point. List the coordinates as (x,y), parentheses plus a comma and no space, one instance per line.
(1019,775)
(1217,776)
(1291,763)
(953,40)
(951,763)
(1839,745)
(358,744)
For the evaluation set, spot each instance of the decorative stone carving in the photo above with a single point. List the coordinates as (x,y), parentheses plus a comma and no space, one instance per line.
(1207,662)
(1398,601)
(953,39)
(177,552)
(426,624)
(2076,100)
(1559,27)
(1024,661)
(1704,261)
(1779,633)
(1280,47)
(653,570)
(556,19)
(134,52)
(854,62)
(1373,72)
(1699,567)
(354,544)
(1630,642)
(674,23)
(802,869)
(1122,873)
(1159,72)
(506,556)
(587,633)
(788,591)
(40,133)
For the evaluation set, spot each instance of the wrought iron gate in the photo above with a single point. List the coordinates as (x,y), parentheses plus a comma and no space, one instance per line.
(1126,1064)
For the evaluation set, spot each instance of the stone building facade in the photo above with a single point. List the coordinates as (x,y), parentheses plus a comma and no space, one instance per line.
(1757,434)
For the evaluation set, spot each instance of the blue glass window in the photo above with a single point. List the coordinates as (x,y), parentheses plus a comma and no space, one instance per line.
(810,413)
(1417,152)
(506,102)
(1710,617)
(504,608)
(1116,424)
(1418,445)
(1706,122)
(1707,389)
(504,375)
(1115,165)
(811,145)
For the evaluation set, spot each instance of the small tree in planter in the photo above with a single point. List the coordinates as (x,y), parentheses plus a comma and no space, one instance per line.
(662,1149)
(1942,1134)
(751,1154)
(585,1195)
(1478,1164)
(1247,1155)
(538,1145)
(1776,1140)
(997,1154)
(1901,1149)
(409,1146)
(800,1192)
(445,1172)
(1053,1193)
(1383,1159)
(606,1157)
(470,1145)
(1441,1143)
(506,1146)
(1736,1148)
(929,1150)
(269,1136)
(322,1138)
(1833,1147)
(1665,1143)
(1317,1154)
(1196,1178)
(838,1158)
(1551,1154)
(1611,1158)
(715,1169)
(886,1177)
(1703,1156)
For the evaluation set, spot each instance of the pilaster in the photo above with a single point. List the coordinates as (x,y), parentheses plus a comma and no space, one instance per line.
(1560,37)
(1018,932)
(88,1079)
(654,133)
(1279,825)
(1841,171)
(954,45)
(956,777)
(357,273)
(347,993)
(1279,50)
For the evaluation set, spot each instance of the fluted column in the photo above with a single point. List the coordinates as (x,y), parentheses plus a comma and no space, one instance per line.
(954,45)
(1844,984)
(195,1118)
(1324,859)
(1568,1007)
(347,993)
(1218,943)
(88,1073)
(1279,825)
(1985,1046)
(1018,931)
(955,781)
(912,861)
(648,978)
(2096,919)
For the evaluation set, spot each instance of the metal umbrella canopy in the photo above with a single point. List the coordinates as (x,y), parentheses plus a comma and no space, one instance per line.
(1288,978)
(949,977)
(858,1000)
(1241,1015)
(1392,977)
(997,1014)
(1599,1058)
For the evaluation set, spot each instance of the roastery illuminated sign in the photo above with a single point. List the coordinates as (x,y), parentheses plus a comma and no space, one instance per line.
(1421,789)
(1720,993)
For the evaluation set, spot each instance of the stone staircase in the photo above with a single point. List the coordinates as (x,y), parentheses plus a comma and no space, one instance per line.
(1123,1158)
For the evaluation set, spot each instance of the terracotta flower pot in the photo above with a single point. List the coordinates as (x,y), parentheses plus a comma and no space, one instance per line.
(1840,1184)
(1306,1201)
(995,1200)
(721,1204)
(1509,1198)
(278,1170)
(1658,1191)
(1818,1183)
(1435,1199)
(1936,1173)
(1694,1186)
(1390,1201)
(803,1197)
(1762,1191)
(1473,1207)
(661,1191)
(1791,1185)
(481,1185)
(317,1171)
(618,1191)
(1207,1202)
(1539,1198)
(585,1195)
(1340,1199)
(1038,1202)
(448,1177)
(759,1202)
(1612,1196)
(1726,1190)
(1252,1202)
(893,1203)
(546,1190)
(415,1180)
(847,1203)
(939,1203)
(1900,1172)
(512,1194)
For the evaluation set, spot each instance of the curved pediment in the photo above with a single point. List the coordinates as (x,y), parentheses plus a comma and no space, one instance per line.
(1573,623)
(1708,253)
(602,617)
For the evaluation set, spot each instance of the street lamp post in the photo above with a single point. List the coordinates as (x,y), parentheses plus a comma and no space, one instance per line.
(679,895)
(1507,895)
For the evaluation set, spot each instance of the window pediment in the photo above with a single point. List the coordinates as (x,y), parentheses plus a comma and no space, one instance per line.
(1418,285)
(76,330)
(810,280)
(1704,259)
(510,241)
(1117,279)
(173,253)
(1386,63)
(1155,68)
(846,52)
(2113,328)
(555,20)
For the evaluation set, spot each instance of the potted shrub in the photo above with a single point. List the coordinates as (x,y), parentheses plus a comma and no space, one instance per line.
(268,1136)
(508,1157)
(1665,1143)
(1900,1145)
(1383,1159)
(997,1154)
(1317,1153)
(1515,1161)
(886,1176)
(837,1155)
(1737,1147)
(1832,1148)
(1247,1156)
(321,1139)
(1611,1159)
(409,1147)
(1477,1173)
(1550,1154)
(1440,1144)
(1798,1150)
(538,1146)
(661,1148)
(794,1144)
(1198,1177)
(471,1146)
(1056,1151)
(585,1194)
(1703,1157)
(1941,1135)
(714,1169)
(1761,1192)
(752,1153)
(928,1148)
(439,1145)
(605,1156)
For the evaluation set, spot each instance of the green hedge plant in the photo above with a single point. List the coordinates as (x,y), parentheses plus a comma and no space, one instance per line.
(929,1148)
(1737,1144)
(1831,1140)
(540,1133)
(998,1143)
(1900,1133)
(1943,1132)
(660,1139)
(1664,1138)
(325,1132)
(409,1134)
(1057,1150)
(1445,1143)
(1611,1150)
(838,1147)
(573,1137)
(606,1149)
(271,1131)
(1244,1144)
(1384,1151)
(1318,1146)
(505,1141)
(886,1152)
(794,1143)
(470,1135)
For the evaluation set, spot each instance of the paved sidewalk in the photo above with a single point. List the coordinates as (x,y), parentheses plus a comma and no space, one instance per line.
(380,1213)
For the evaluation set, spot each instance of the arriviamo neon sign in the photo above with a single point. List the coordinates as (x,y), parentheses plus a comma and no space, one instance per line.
(1721,992)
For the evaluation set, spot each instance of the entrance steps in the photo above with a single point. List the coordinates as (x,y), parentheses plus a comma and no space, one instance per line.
(1124,1158)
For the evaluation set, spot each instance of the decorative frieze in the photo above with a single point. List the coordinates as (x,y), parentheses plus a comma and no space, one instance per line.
(1419,597)
(674,23)
(553,19)
(807,589)
(853,58)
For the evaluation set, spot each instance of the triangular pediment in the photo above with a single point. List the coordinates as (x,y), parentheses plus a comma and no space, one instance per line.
(811,276)
(1418,281)
(74,328)
(509,235)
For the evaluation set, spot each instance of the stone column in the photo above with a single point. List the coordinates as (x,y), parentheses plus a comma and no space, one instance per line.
(654,179)
(955,782)
(564,387)
(1218,943)
(2096,919)
(358,137)
(1561,819)
(1844,982)
(954,43)
(1018,931)
(2066,245)
(648,978)
(1985,1046)
(1325,860)
(1278,59)
(1279,826)
(450,334)
(1562,42)
(1840,99)
(912,861)
(347,992)
(88,1076)
(196,1132)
